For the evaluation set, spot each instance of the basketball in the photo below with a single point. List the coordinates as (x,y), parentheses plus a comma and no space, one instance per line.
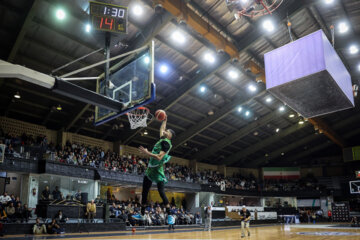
(160,115)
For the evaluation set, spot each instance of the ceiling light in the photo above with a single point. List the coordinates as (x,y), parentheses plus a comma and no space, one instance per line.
(282,108)
(277,130)
(247,113)
(233,74)
(145,132)
(147,60)
(328,1)
(59,108)
(343,27)
(252,88)
(137,10)
(282,154)
(244,1)
(17,95)
(211,112)
(266,155)
(256,133)
(87,28)
(291,115)
(239,109)
(202,89)
(60,14)
(209,57)
(164,68)
(268,99)
(353,49)
(301,122)
(179,37)
(268,25)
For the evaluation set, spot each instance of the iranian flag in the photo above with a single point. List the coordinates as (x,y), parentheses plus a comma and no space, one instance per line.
(281,173)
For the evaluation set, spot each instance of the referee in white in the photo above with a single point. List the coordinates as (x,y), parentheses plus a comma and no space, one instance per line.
(245,221)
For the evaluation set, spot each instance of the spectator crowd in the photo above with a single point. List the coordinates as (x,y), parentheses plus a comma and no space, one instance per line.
(96,157)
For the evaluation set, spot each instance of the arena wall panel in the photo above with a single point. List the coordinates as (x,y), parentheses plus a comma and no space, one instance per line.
(88,141)
(17,127)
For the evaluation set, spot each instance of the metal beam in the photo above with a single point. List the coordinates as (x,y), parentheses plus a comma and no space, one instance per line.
(294,145)
(241,99)
(76,118)
(34,8)
(317,148)
(236,135)
(258,146)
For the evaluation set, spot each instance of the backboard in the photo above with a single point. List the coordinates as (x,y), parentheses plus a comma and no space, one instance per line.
(131,82)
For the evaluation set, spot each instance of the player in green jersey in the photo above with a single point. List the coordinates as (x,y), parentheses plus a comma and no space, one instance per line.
(155,171)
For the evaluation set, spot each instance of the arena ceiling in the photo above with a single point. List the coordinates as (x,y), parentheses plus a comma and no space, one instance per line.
(203,99)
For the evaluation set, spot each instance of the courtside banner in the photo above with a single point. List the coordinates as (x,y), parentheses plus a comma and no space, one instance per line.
(281,173)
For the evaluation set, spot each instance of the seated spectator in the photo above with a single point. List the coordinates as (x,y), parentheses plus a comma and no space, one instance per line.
(91,210)
(198,219)
(19,212)
(3,215)
(4,199)
(17,200)
(45,195)
(54,227)
(56,194)
(78,195)
(114,210)
(39,228)
(10,212)
(354,222)
(60,217)
(123,216)
(26,213)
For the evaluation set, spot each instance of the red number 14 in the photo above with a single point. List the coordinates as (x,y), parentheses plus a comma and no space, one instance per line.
(110,24)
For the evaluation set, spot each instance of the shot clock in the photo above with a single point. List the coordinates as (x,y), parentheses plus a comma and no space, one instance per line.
(108,17)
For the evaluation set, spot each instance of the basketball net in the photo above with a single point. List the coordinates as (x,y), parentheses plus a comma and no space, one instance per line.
(138,117)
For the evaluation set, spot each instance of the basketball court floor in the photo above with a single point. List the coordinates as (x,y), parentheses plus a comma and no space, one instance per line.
(265,232)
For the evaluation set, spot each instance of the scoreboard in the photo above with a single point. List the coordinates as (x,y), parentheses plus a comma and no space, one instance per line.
(108,17)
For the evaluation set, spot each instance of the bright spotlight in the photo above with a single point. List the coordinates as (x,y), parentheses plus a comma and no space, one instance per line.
(282,108)
(291,115)
(328,1)
(268,25)
(146,60)
(233,74)
(209,57)
(353,49)
(247,113)
(164,68)
(343,27)
(60,14)
(179,37)
(239,109)
(277,130)
(268,100)
(202,89)
(137,10)
(87,28)
(252,88)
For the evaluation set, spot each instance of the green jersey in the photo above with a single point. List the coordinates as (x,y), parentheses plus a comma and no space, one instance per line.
(155,170)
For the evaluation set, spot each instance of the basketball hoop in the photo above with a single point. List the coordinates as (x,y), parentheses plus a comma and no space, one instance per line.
(138,117)
(253,8)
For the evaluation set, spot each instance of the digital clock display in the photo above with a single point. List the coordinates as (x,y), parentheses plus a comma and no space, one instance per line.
(108,17)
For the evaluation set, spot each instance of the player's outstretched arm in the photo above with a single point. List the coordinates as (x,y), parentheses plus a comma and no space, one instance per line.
(158,157)
(163,127)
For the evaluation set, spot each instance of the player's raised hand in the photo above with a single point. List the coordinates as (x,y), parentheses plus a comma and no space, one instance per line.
(143,150)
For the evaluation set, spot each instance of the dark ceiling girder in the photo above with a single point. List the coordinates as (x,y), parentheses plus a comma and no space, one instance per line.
(317,148)
(236,135)
(34,8)
(223,112)
(294,145)
(258,146)
(76,117)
